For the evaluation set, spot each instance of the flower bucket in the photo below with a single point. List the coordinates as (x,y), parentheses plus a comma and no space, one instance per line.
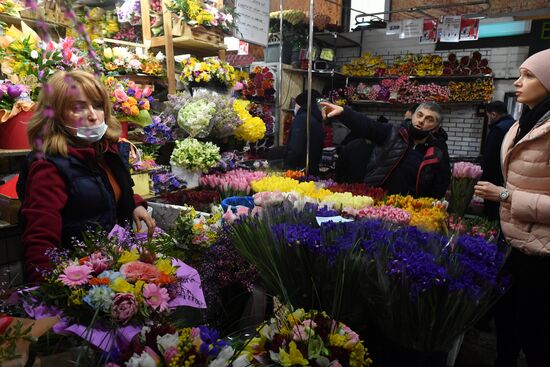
(13,132)
(192,178)
(233,201)
(124,131)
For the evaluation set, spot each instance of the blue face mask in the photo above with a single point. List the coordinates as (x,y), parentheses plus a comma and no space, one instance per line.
(91,134)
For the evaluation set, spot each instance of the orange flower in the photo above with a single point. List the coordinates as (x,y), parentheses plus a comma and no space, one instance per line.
(165,279)
(84,260)
(99,281)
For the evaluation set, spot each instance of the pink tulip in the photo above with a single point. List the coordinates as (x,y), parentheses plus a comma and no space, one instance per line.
(229,217)
(242,211)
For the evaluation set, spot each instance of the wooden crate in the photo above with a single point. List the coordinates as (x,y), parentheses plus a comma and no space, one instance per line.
(200,33)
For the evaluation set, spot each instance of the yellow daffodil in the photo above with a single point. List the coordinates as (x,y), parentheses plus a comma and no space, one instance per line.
(128,256)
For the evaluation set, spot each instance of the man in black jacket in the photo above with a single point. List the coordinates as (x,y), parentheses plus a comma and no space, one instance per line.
(295,157)
(411,159)
(499,124)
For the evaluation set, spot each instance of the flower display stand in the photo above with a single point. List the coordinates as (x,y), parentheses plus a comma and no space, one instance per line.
(192,178)
(181,29)
(13,132)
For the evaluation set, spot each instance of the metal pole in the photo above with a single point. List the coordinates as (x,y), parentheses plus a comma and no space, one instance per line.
(309,81)
(280,73)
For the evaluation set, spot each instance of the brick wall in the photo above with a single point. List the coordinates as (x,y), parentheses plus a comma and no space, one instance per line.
(334,11)
(498,7)
(460,121)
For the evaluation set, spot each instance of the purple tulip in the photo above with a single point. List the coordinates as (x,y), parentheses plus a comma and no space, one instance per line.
(14,91)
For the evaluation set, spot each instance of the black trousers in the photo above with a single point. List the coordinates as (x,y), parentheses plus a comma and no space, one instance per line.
(522,317)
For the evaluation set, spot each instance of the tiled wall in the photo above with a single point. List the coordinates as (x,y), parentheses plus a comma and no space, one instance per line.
(460,121)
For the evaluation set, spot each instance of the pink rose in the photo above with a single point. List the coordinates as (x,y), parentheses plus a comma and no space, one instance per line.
(120,95)
(137,270)
(124,307)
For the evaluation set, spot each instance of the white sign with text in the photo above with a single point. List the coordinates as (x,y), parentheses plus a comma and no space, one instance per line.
(253,21)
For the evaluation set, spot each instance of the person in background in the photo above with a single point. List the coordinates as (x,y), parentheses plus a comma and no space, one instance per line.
(296,147)
(75,178)
(499,124)
(410,111)
(525,216)
(410,159)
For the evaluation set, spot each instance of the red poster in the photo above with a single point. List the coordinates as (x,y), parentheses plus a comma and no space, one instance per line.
(469,29)
(429,31)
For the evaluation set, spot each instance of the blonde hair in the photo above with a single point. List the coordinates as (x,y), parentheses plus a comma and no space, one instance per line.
(46,130)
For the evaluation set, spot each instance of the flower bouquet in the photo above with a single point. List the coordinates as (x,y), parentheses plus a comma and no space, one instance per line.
(428,290)
(131,102)
(196,232)
(464,178)
(211,71)
(426,213)
(259,86)
(14,98)
(302,338)
(194,155)
(376,193)
(158,132)
(194,118)
(161,345)
(164,182)
(232,183)
(300,262)
(205,13)
(253,128)
(109,285)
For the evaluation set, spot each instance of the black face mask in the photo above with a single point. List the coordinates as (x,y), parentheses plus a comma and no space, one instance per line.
(418,134)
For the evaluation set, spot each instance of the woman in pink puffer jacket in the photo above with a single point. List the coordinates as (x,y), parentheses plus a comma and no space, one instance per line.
(525,219)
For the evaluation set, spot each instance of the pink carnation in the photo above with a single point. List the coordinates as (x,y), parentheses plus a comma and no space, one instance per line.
(138,270)
(75,275)
(156,297)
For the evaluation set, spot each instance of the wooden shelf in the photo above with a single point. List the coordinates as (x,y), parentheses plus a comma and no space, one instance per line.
(13,152)
(11,20)
(188,43)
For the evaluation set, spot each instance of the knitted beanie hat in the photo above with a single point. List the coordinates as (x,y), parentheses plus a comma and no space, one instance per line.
(539,65)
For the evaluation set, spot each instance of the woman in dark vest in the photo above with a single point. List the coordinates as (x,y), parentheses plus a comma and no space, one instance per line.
(75,178)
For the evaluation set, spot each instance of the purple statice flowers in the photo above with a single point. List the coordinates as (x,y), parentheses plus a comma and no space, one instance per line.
(158,132)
